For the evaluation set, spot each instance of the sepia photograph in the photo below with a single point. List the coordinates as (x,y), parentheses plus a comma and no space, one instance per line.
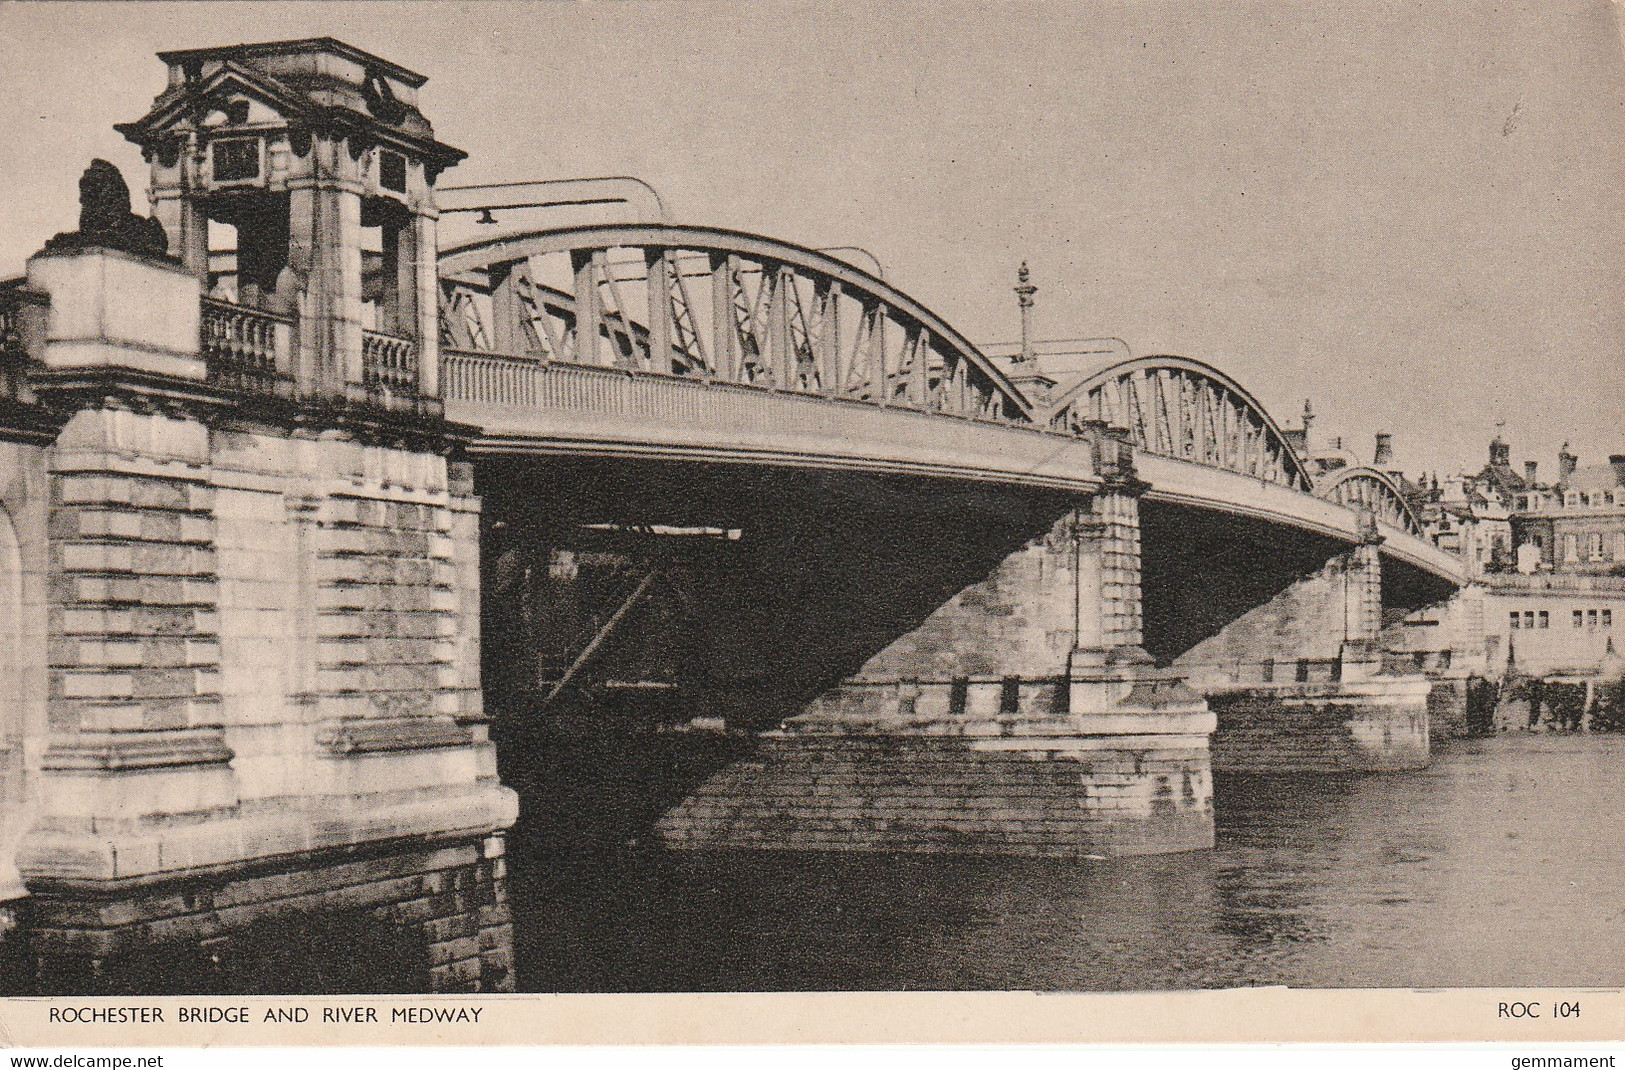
(732,498)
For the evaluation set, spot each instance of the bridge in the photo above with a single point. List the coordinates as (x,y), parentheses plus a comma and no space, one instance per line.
(309,544)
(793,357)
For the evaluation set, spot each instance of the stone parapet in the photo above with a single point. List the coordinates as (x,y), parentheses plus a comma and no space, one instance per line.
(1555,582)
(110,308)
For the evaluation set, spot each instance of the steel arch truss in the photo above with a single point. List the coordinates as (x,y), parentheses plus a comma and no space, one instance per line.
(719,305)
(1181,408)
(1361,487)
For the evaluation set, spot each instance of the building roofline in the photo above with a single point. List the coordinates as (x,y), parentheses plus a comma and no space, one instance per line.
(303,44)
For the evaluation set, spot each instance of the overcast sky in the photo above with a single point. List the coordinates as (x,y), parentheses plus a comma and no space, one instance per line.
(1413,214)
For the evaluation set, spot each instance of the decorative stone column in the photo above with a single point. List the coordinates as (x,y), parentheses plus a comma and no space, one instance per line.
(324,250)
(1361,652)
(1121,704)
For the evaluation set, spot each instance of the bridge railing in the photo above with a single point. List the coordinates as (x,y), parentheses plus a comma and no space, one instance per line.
(553,406)
(1185,410)
(588,391)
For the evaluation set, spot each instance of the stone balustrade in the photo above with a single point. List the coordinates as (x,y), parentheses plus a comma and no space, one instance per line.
(389,364)
(244,347)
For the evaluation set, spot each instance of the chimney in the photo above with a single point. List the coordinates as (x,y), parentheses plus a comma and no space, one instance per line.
(1566,463)
(1529,472)
(1385,448)
(1616,461)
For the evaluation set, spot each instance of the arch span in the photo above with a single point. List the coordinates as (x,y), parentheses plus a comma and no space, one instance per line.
(719,305)
(1363,487)
(1187,410)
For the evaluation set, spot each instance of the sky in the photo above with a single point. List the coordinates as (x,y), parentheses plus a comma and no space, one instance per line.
(1411,214)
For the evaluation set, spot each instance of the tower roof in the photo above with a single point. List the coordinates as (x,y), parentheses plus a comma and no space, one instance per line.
(317,83)
(304,46)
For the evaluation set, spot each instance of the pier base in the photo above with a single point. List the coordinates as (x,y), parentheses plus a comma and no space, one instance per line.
(1379,724)
(858,772)
(425,916)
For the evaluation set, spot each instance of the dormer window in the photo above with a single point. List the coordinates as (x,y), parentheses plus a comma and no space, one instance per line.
(235,159)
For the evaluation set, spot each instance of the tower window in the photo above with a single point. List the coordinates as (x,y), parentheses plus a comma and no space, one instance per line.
(235,159)
(392,171)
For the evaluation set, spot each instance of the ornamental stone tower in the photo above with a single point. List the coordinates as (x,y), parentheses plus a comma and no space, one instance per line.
(316,153)
(254,743)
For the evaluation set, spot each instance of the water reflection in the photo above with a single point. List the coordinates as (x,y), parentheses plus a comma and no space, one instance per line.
(1497,866)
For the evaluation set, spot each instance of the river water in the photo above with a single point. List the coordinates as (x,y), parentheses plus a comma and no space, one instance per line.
(1503,864)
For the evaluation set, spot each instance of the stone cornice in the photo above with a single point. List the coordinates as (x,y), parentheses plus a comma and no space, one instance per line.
(306,44)
(114,752)
(331,120)
(35,425)
(338,739)
(65,391)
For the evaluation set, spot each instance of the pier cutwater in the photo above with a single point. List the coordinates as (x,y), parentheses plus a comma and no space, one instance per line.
(344,568)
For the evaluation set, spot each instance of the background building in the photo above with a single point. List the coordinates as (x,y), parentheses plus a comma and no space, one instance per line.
(1551,556)
(1577,524)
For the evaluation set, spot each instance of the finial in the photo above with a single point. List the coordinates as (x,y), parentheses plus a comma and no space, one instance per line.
(1024,297)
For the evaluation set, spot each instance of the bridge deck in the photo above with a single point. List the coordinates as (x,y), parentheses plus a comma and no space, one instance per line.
(1187,483)
(523,406)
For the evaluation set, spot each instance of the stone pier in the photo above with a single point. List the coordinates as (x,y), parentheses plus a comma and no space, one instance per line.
(1021,717)
(251,720)
(1446,643)
(1299,684)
